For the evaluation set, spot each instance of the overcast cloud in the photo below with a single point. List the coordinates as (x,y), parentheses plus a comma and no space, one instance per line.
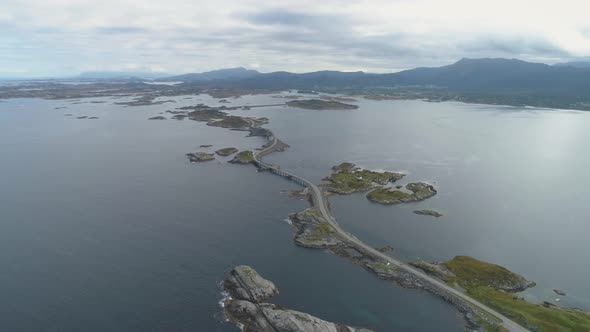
(65,37)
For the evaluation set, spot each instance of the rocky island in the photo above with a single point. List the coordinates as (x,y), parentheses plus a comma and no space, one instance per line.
(431,213)
(246,307)
(200,157)
(244,157)
(319,104)
(387,195)
(346,178)
(226,151)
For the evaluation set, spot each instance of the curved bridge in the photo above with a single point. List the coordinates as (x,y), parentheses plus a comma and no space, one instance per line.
(320,201)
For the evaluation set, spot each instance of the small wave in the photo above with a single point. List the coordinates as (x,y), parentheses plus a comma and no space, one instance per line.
(224,298)
(288,221)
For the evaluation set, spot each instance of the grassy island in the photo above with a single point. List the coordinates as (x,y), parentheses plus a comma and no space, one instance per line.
(494,286)
(319,104)
(244,157)
(346,179)
(226,151)
(419,191)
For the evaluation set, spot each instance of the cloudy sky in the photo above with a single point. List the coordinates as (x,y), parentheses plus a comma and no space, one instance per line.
(65,37)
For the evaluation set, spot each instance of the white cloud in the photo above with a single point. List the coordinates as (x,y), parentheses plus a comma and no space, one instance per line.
(54,37)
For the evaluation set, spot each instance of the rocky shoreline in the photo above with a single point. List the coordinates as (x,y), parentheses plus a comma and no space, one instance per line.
(246,306)
(312,231)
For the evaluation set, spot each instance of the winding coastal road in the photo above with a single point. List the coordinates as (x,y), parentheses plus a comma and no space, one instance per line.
(320,201)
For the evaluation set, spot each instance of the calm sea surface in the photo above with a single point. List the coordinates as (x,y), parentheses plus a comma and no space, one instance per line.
(104,225)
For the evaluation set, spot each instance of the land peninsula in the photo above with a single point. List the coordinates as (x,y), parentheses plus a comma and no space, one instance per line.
(320,104)
(247,307)
(496,286)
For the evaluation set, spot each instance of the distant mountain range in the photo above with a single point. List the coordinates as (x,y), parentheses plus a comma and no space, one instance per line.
(221,74)
(105,75)
(503,76)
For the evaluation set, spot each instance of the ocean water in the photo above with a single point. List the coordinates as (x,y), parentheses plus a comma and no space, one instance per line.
(512,182)
(105,226)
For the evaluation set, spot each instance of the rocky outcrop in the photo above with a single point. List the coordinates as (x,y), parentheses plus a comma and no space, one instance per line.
(312,230)
(159,117)
(200,157)
(244,283)
(431,213)
(434,269)
(246,307)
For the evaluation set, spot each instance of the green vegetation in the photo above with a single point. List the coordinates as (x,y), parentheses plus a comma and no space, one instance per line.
(231,122)
(384,195)
(226,151)
(494,285)
(549,319)
(347,179)
(318,104)
(388,195)
(380,266)
(471,272)
(243,157)
(324,229)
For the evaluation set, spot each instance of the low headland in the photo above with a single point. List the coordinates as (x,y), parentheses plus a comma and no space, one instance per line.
(496,286)
(319,104)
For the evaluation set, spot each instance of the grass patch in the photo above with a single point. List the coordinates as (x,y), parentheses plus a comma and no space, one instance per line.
(243,157)
(388,194)
(324,229)
(226,151)
(471,272)
(545,318)
(420,191)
